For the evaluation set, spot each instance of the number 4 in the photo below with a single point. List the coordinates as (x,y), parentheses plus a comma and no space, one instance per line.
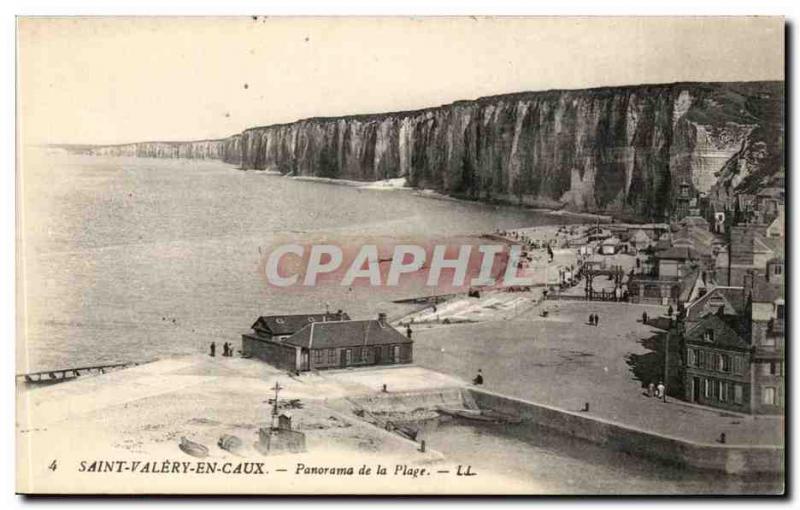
(52,466)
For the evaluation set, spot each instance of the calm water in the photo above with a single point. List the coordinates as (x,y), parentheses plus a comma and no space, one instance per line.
(556,464)
(130,259)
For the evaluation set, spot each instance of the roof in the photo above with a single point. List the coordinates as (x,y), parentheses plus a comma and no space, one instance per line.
(730,298)
(777,245)
(325,335)
(695,221)
(687,286)
(289,324)
(772,192)
(699,238)
(764,291)
(678,253)
(778,224)
(640,236)
(724,335)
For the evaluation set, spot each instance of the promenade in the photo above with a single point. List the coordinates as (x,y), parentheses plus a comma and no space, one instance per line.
(562,361)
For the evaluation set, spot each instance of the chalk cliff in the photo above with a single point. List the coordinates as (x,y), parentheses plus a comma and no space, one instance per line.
(621,150)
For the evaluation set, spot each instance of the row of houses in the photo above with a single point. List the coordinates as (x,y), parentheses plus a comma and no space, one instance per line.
(727,279)
(305,342)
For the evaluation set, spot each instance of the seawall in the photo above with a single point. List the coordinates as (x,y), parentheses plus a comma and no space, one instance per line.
(731,459)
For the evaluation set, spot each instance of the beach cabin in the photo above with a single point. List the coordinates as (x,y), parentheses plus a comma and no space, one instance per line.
(334,344)
(640,240)
(610,246)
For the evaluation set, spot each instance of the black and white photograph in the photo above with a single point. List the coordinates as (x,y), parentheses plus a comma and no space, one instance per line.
(396,255)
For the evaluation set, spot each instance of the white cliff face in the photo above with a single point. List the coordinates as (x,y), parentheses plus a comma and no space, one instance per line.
(621,149)
(713,148)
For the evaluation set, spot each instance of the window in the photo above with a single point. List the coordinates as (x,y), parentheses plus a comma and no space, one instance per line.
(690,357)
(364,354)
(780,311)
(317,355)
(768,340)
(738,393)
(708,336)
(768,396)
(706,388)
(723,391)
(738,365)
(765,368)
(725,363)
(331,356)
(777,269)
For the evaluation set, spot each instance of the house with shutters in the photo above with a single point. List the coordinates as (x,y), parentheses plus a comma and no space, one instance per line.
(717,369)
(734,345)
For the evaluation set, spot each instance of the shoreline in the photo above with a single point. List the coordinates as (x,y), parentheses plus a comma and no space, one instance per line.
(428,388)
(433,194)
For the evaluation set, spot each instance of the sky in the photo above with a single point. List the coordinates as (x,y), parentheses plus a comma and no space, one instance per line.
(116,80)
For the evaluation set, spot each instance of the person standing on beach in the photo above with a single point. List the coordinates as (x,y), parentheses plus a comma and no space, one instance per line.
(596,319)
(478,380)
(644,317)
(591,319)
(213,349)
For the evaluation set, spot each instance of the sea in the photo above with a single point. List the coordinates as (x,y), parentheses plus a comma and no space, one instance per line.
(126,259)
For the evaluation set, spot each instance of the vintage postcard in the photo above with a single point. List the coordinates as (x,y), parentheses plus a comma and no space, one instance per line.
(354,255)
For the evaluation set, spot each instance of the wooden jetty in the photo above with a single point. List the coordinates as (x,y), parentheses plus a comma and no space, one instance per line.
(64,374)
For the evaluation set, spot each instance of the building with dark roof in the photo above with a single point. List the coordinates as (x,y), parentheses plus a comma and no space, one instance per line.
(323,344)
(717,370)
(730,299)
(734,343)
(768,339)
(750,249)
(283,326)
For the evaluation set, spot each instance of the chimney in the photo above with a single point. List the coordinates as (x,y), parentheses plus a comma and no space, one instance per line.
(382,319)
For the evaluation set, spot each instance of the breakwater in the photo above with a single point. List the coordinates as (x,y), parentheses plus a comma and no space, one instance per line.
(727,458)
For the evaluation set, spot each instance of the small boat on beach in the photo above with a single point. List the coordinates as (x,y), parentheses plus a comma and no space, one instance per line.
(484,415)
(192,448)
(230,443)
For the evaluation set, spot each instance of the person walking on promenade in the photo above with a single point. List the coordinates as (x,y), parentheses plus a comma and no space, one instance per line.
(408,331)
(213,349)
(661,391)
(651,388)
(478,380)
(644,317)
